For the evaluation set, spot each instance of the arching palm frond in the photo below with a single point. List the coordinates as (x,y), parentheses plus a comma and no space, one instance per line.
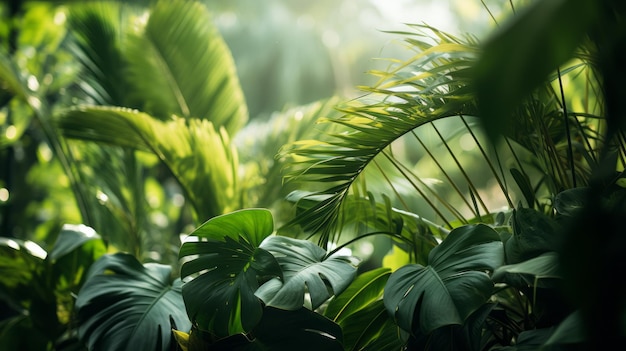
(430,86)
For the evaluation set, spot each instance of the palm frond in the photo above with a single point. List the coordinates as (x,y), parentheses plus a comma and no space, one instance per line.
(428,87)
(97,45)
(199,156)
(179,64)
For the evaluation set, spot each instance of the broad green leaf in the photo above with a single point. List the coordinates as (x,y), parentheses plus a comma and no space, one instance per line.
(71,237)
(530,272)
(281,330)
(306,269)
(364,290)
(179,64)
(200,156)
(220,298)
(523,53)
(454,285)
(253,225)
(125,305)
(77,247)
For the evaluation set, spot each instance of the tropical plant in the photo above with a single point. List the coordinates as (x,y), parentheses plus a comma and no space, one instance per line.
(483,248)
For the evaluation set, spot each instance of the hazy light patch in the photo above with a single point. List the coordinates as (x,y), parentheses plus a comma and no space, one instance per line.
(4,194)
(178,200)
(45,153)
(466,142)
(102,197)
(35,249)
(11,132)
(437,14)
(33,83)
(298,116)
(331,39)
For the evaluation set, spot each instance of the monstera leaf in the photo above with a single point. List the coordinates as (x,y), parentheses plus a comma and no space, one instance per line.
(306,268)
(220,297)
(454,284)
(125,305)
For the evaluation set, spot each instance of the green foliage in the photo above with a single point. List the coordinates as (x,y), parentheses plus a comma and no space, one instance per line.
(307,268)
(37,285)
(127,305)
(476,172)
(220,298)
(454,285)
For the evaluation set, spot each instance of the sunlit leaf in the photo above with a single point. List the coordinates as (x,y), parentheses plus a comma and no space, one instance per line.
(199,155)
(306,269)
(179,64)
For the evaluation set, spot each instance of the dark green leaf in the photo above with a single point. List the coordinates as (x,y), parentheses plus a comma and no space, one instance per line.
(125,305)
(19,263)
(571,201)
(545,266)
(524,52)
(220,298)
(452,287)
(305,269)
(570,331)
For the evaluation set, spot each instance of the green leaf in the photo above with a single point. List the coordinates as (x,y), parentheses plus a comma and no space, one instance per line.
(571,201)
(220,298)
(524,52)
(281,330)
(77,247)
(364,290)
(70,238)
(429,86)
(97,46)
(200,156)
(20,263)
(452,287)
(253,224)
(305,269)
(545,266)
(125,305)
(180,65)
